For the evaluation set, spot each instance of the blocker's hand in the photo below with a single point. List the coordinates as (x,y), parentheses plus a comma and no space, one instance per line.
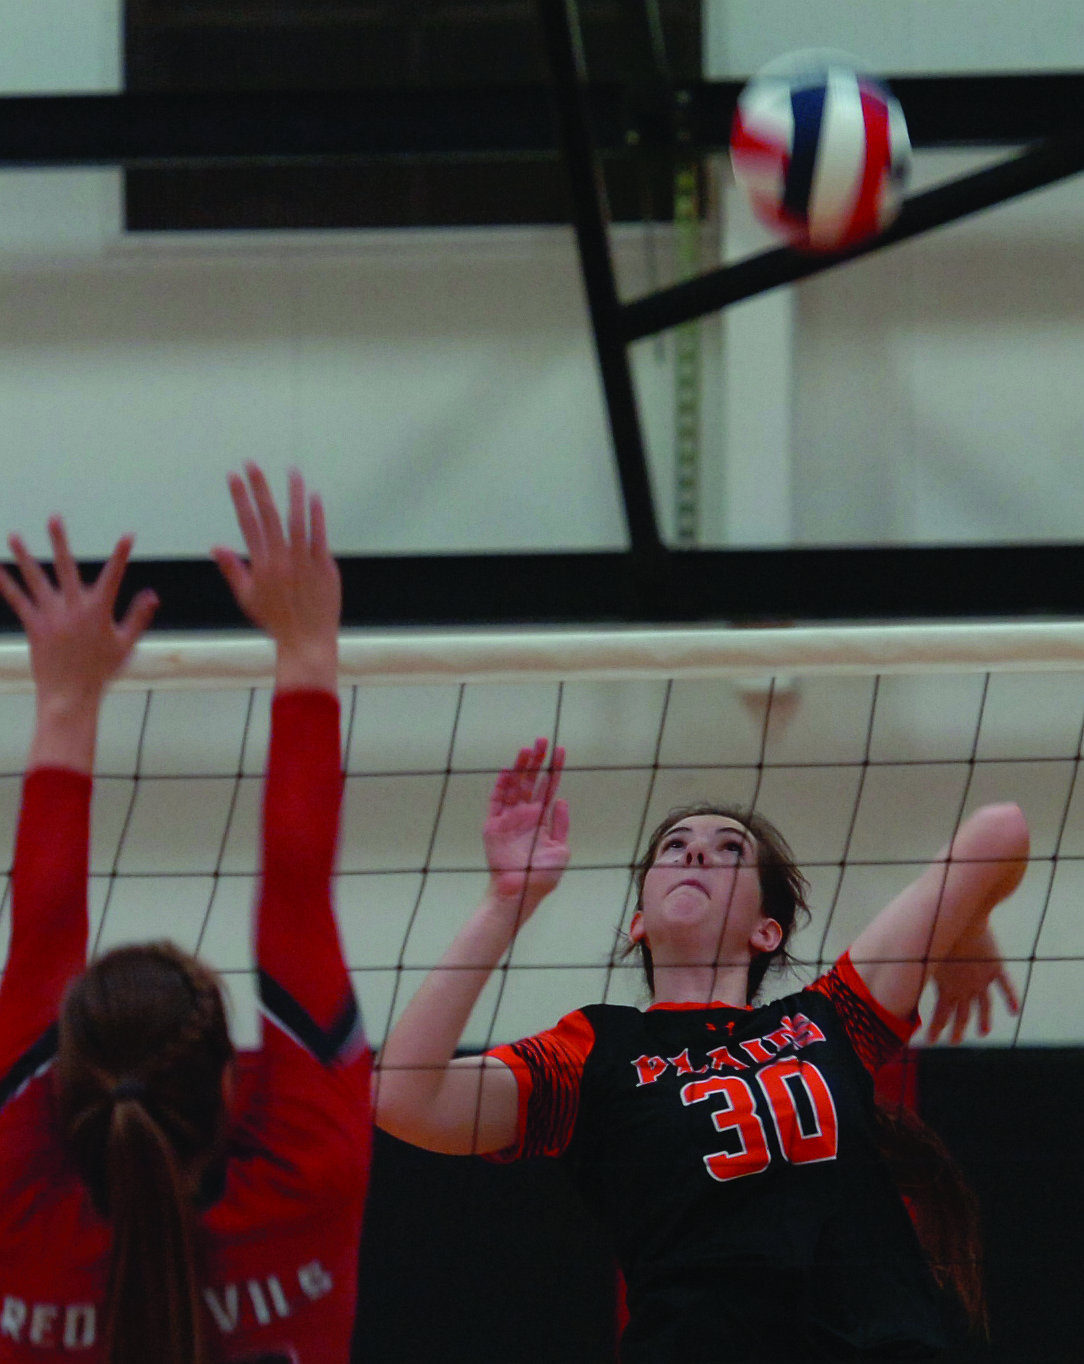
(526,829)
(77,646)
(290,585)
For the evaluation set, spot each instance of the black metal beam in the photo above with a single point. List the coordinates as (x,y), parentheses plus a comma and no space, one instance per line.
(960,198)
(703,586)
(214,128)
(590,217)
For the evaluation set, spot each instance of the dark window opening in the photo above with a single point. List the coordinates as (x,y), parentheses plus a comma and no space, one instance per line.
(284,46)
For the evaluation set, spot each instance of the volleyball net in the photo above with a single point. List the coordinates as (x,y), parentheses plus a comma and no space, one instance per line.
(865,745)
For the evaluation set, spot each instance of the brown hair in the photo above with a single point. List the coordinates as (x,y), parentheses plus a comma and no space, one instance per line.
(783,888)
(144,1045)
(942,1205)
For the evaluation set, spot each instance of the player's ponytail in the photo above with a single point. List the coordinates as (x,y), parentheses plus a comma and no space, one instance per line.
(144,1046)
(151,1304)
(944,1209)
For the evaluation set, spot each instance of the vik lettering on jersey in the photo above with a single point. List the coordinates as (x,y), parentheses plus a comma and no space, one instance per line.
(73,1327)
(751,1081)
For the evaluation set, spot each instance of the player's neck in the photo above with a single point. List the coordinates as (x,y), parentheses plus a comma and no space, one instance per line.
(701,984)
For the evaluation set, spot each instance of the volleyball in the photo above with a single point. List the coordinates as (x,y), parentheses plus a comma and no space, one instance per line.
(821,150)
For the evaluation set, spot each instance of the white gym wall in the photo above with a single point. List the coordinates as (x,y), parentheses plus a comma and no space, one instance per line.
(440,388)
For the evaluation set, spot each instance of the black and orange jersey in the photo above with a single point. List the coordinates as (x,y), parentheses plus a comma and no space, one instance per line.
(730,1152)
(281,1218)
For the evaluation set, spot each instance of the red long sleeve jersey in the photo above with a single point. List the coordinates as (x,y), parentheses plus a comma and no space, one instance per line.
(279,1237)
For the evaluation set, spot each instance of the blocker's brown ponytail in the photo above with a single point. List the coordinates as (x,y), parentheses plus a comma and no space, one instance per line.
(144,1046)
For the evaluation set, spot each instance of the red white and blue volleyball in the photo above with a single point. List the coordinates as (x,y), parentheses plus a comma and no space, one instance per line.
(821,150)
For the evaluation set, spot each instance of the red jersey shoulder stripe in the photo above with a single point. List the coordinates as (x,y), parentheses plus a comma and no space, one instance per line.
(876,1034)
(548,1068)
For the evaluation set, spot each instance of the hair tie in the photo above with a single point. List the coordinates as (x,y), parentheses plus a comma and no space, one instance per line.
(129,1089)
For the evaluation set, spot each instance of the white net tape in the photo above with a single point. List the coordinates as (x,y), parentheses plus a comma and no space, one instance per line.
(193,660)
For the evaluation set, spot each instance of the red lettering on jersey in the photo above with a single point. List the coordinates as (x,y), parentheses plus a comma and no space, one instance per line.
(315,1281)
(47,1330)
(756,1049)
(696,1091)
(80,1327)
(797,1031)
(747,1152)
(267,1297)
(42,1324)
(13,1318)
(721,1058)
(804,1030)
(820,1139)
(277,1296)
(259,1302)
(685,1066)
(225,1310)
(649,1068)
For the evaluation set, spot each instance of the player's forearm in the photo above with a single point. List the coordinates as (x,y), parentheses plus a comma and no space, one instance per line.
(307,664)
(984,865)
(49,891)
(297,939)
(419,1050)
(945,909)
(66,730)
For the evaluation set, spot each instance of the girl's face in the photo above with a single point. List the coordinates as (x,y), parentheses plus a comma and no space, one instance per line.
(701,900)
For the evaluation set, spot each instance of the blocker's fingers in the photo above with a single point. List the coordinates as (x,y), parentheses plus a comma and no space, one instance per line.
(64,565)
(268,513)
(559,821)
(109,579)
(15,597)
(520,781)
(247,520)
(296,512)
(553,775)
(233,569)
(318,523)
(38,586)
(498,797)
(139,615)
(536,757)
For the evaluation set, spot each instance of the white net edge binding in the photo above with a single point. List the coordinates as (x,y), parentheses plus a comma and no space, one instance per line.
(219,661)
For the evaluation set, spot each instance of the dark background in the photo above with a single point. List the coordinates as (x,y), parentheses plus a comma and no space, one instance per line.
(187,46)
(464,1262)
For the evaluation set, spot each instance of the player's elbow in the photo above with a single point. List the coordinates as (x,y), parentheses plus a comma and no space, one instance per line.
(1002,837)
(404,1102)
(1007,824)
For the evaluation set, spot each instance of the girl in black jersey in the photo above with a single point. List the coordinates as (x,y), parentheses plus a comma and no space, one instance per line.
(734,1151)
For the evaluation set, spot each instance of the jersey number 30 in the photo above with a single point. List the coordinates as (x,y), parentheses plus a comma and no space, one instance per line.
(803,1115)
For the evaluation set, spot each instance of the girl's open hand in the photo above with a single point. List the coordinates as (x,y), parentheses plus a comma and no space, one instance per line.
(77,646)
(290,585)
(526,829)
(965,981)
